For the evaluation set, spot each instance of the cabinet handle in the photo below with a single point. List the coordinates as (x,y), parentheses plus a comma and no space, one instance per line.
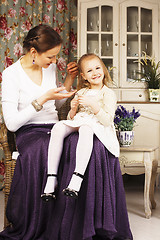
(140,95)
(116,44)
(123,44)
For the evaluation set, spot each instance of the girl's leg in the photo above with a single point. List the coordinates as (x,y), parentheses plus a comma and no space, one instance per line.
(58,133)
(83,153)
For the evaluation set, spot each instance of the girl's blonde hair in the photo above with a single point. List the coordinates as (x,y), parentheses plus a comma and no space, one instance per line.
(82,83)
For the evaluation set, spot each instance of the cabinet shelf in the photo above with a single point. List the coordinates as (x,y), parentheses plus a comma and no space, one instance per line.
(119,32)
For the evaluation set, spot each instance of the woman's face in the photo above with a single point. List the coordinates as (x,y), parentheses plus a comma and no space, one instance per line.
(92,71)
(48,57)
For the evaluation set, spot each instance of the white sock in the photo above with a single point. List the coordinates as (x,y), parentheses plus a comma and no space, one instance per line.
(75,183)
(51,184)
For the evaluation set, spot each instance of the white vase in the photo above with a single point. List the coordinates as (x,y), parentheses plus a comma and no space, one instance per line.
(125,138)
(154,95)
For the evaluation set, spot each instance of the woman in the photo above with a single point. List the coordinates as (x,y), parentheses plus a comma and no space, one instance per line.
(29,91)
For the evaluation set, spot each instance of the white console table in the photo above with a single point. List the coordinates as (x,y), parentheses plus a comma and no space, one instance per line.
(135,160)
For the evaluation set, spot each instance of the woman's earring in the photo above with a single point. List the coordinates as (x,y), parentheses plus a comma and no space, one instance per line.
(33,61)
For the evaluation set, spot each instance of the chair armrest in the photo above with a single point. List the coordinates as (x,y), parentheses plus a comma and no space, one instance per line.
(4,142)
(8,148)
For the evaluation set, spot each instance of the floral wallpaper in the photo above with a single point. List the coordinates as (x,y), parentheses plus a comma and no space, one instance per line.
(17,17)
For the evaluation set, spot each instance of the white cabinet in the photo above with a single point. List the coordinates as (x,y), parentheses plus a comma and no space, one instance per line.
(98,31)
(118,31)
(98,27)
(139,33)
(147,127)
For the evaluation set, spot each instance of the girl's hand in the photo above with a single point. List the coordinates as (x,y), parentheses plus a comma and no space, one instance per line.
(74,104)
(87,100)
(91,102)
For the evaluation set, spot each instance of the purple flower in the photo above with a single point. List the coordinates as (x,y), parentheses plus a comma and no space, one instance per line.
(117,120)
(124,120)
(136,115)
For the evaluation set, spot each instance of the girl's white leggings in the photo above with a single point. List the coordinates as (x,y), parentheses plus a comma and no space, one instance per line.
(83,150)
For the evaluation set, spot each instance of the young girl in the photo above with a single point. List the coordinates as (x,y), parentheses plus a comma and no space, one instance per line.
(92,112)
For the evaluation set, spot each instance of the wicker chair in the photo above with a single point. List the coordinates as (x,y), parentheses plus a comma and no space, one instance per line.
(8,144)
(7,141)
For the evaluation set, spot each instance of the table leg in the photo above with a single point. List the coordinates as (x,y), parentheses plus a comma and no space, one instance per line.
(148,171)
(153,180)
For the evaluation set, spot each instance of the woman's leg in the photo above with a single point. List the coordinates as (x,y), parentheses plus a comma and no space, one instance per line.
(58,133)
(83,153)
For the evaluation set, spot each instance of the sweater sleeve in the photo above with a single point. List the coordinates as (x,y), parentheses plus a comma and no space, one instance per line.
(13,118)
(107,111)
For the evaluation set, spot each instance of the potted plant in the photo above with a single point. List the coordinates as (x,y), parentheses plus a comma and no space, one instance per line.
(150,75)
(124,122)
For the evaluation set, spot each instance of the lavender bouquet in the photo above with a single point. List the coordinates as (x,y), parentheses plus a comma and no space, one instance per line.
(124,120)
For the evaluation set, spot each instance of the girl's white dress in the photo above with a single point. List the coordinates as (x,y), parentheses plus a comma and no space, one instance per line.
(85,116)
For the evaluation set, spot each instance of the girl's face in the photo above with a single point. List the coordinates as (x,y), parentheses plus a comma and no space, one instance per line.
(48,57)
(92,71)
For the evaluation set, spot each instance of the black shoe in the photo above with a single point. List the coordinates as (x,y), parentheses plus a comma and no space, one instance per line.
(48,196)
(70,193)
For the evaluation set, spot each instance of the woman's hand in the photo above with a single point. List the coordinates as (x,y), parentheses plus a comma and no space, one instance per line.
(72,70)
(54,94)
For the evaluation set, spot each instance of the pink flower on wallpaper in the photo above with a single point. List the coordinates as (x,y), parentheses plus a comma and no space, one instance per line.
(8,33)
(18,50)
(15,2)
(47,1)
(11,12)
(49,7)
(61,64)
(2,168)
(3,22)
(61,5)
(26,26)
(30,2)
(73,40)
(46,18)
(54,18)
(59,29)
(8,61)
(22,11)
(66,51)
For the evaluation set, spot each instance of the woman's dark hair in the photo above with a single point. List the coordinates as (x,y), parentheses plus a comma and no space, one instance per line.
(42,38)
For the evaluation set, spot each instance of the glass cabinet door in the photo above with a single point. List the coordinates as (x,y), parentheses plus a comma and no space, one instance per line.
(98,28)
(137,39)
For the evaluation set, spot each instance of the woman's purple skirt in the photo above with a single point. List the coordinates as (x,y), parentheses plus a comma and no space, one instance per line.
(100,211)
